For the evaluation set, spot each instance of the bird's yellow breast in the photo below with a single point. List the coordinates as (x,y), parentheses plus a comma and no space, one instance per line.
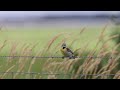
(64,51)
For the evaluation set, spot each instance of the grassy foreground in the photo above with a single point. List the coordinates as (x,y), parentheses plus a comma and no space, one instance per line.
(47,41)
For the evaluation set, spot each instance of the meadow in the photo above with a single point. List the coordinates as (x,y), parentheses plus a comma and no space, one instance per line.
(85,41)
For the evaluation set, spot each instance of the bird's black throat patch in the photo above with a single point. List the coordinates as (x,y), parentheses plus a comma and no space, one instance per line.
(63,47)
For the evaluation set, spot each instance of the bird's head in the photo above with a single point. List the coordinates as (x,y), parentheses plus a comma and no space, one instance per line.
(63,45)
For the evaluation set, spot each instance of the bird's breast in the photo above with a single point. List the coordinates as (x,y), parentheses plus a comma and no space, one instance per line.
(64,51)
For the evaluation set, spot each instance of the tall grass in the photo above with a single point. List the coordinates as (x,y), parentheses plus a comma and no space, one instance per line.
(79,68)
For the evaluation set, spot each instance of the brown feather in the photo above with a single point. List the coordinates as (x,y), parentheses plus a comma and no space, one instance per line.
(69,50)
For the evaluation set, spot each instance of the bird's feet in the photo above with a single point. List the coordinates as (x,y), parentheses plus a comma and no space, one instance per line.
(71,57)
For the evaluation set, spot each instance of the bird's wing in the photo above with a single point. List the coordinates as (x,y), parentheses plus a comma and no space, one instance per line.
(69,50)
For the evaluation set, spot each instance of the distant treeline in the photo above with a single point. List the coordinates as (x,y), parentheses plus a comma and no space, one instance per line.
(39,19)
(78,16)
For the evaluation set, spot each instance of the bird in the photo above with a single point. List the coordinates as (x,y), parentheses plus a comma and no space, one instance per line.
(67,52)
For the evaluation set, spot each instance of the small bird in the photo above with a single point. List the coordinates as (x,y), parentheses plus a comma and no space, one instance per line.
(67,52)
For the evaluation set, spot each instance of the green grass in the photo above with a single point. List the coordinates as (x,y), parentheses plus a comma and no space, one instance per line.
(43,35)
(18,37)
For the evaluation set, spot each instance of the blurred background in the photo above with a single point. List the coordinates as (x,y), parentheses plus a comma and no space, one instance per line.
(41,33)
(55,18)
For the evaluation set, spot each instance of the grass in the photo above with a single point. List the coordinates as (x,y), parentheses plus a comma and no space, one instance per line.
(41,36)
(86,41)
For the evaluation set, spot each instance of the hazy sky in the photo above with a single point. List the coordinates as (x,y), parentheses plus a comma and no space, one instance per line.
(41,13)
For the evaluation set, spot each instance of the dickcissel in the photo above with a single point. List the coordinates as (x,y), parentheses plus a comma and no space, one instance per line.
(67,52)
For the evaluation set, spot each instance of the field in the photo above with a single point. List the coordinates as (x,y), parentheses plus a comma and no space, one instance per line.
(47,42)
(43,35)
